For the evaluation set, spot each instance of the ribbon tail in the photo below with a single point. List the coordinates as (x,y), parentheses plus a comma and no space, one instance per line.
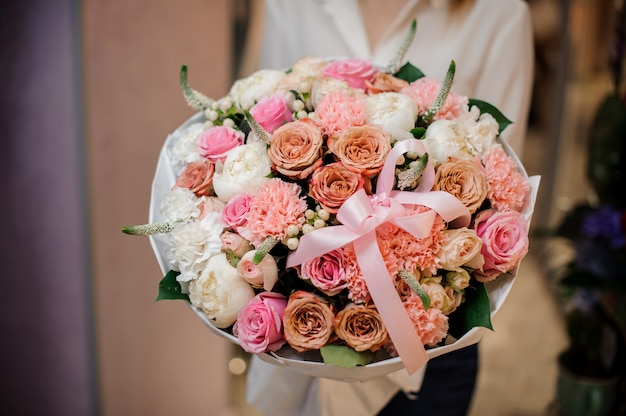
(399,326)
(320,242)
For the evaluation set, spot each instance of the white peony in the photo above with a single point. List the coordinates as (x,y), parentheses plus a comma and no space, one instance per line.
(472,134)
(247,91)
(194,243)
(392,111)
(219,292)
(245,169)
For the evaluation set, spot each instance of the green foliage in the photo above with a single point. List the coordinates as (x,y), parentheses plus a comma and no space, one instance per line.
(475,311)
(485,107)
(344,356)
(169,288)
(409,73)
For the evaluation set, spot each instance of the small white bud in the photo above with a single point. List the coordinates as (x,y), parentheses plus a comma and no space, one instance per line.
(293,243)
(293,230)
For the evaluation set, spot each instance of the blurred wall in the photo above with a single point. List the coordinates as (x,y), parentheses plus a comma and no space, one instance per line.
(152,358)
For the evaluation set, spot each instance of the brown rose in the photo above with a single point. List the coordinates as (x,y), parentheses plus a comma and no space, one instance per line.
(308,321)
(464,179)
(383,82)
(362,149)
(331,185)
(197,177)
(361,327)
(296,148)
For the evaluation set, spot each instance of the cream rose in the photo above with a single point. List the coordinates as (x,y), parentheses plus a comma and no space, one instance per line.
(263,275)
(461,247)
(219,292)
(245,169)
(308,321)
(361,327)
(439,298)
(246,92)
(458,279)
(464,179)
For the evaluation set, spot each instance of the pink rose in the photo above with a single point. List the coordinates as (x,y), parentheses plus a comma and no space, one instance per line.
(197,177)
(259,325)
(326,272)
(308,321)
(235,209)
(505,241)
(236,244)
(296,149)
(331,185)
(353,71)
(215,143)
(271,112)
(264,274)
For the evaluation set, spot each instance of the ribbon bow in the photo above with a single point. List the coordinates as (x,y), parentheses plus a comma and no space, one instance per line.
(360,215)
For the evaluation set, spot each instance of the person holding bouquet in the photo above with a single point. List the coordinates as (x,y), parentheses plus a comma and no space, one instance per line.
(491,43)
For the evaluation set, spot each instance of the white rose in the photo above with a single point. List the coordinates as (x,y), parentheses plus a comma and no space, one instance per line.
(247,91)
(219,292)
(180,204)
(194,243)
(309,67)
(183,149)
(324,86)
(393,111)
(245,169)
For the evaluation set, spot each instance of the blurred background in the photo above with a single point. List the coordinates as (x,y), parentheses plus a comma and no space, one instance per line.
(89,91)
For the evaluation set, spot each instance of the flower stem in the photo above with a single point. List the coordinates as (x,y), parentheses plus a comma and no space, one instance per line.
(195,99)
(446,85)
(396,63)
(410,280)
(151,229)
(264,248)
(409,178)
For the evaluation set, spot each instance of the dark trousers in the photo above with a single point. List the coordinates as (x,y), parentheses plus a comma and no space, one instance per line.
(447,388)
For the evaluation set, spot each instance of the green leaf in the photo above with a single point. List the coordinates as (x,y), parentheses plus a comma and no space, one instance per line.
(195,99)
(418,132)
(485,107)
(344,356)
(409,73)
(475,311)
(169,288)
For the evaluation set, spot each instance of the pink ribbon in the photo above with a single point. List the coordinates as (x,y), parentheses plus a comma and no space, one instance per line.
(360,215)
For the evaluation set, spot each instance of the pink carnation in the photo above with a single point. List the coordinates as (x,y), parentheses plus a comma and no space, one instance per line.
(338,111)
(424,91)
(277,206)
(431,325)
(357,289)
(507,186)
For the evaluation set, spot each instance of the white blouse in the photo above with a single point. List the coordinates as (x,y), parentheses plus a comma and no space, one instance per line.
(492,46)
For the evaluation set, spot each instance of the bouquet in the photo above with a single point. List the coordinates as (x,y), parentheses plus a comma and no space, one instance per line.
(338,216)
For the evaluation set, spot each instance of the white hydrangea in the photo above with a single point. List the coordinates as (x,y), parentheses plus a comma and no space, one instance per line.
(193,243)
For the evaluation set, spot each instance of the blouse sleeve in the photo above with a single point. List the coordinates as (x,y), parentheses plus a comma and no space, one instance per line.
(507,78)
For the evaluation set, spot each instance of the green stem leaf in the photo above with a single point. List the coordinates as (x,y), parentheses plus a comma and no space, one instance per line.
(446,86)
(151,229)
(258,130)
(170,289)
(263,249)
(195,99)
(410,280)
(396,63)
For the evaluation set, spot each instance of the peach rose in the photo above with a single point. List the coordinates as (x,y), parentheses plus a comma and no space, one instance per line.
(505,241)
(463,179)
(331,185)
(461,248)
(308,321)
(263,275)
(383,82)
(296,149)
(197,177)
(361,327)
(362,149)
